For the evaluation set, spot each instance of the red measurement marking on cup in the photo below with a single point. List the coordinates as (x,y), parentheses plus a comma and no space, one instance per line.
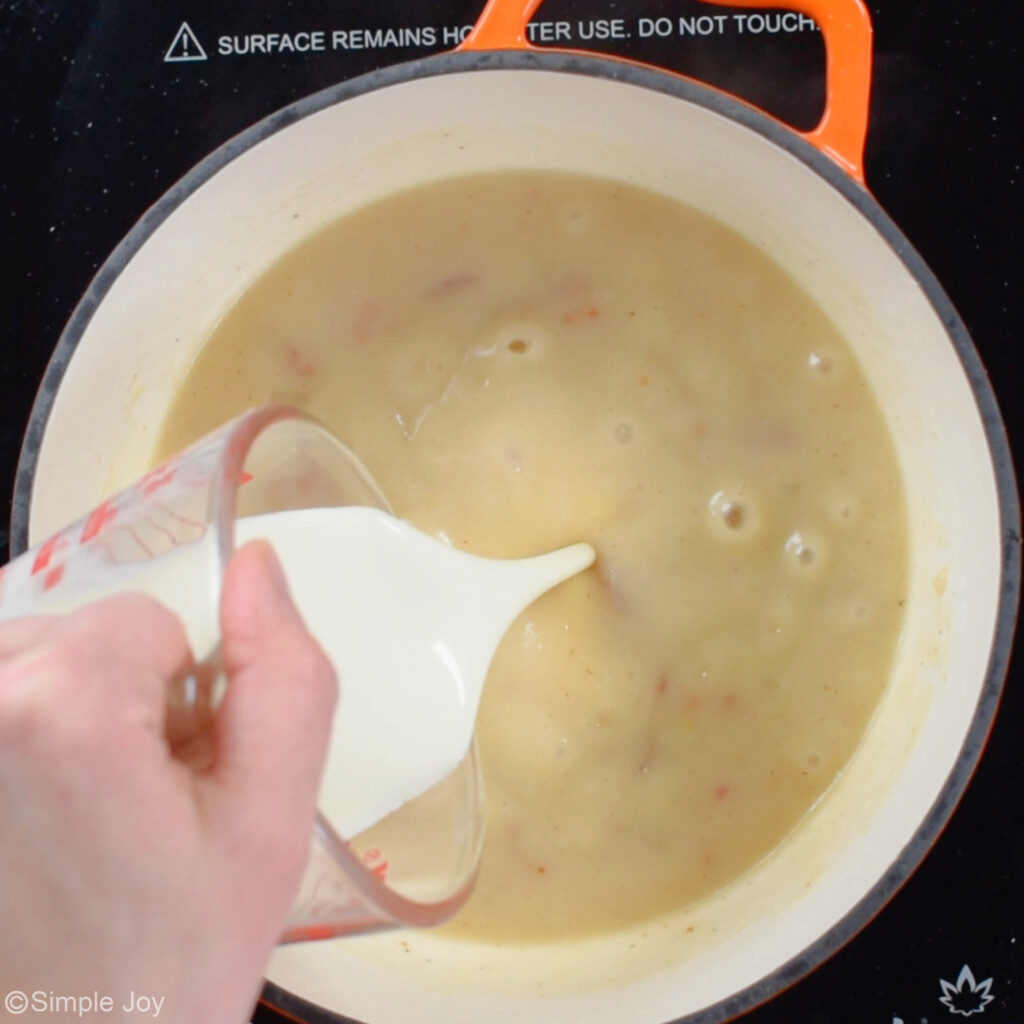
(53,577)
(146,549)
(186,520)
(46,553)
(381,869)
(313,932)
(159,477)
(158,528)
(99,518)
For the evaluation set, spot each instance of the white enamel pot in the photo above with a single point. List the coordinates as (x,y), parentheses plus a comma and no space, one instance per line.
(499,105)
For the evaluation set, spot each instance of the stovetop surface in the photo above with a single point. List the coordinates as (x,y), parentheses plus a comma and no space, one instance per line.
(105,104)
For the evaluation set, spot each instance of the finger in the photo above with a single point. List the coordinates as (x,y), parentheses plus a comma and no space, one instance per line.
(96,674)
(274,723)
(140,627)
(128,646)
(18,634)
(130,629)
(142,630)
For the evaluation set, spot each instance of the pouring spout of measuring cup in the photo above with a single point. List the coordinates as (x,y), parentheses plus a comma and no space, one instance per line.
(411,625)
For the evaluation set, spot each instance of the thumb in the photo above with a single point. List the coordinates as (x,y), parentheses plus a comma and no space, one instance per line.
(273,726)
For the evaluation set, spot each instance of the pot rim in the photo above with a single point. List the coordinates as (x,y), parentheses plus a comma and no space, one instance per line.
(774,131)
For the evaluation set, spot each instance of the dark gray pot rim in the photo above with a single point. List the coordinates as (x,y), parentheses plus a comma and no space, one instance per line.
(609,68)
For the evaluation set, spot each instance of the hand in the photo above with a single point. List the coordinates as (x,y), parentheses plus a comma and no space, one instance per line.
(122,870)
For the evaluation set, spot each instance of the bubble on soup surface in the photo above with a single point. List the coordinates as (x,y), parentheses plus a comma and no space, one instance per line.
(735,514)
(805,552)
(623,433)
(518,339)
(822,364)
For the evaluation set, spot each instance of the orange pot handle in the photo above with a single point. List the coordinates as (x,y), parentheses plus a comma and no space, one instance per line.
(845,26)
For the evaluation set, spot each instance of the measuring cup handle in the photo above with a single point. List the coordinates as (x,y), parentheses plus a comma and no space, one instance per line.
(845,26)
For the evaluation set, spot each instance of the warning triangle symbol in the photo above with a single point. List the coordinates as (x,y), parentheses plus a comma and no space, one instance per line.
(185,46)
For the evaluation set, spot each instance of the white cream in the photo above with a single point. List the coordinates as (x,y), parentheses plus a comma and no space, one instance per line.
(410,625)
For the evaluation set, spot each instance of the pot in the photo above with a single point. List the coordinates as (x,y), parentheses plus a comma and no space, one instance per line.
(498,103)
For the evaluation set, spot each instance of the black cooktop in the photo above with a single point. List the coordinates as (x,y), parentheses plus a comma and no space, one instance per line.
(106,103)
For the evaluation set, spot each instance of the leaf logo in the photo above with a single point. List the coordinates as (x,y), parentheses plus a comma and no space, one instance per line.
(967,996)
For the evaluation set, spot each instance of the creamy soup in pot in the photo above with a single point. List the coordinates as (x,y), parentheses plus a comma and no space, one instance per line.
(526,360)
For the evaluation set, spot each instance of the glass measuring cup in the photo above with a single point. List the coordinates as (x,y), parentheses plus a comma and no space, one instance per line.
(418,865)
